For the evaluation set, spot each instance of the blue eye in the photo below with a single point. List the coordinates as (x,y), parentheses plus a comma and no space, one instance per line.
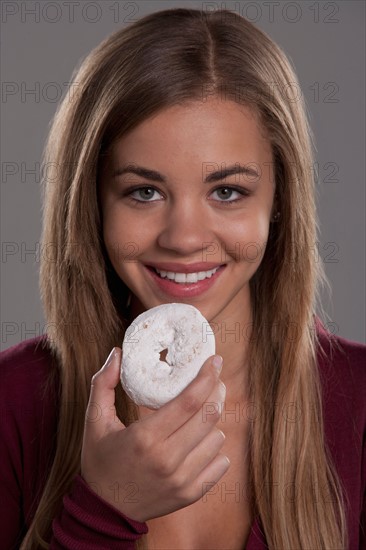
(143,194)
(225,194)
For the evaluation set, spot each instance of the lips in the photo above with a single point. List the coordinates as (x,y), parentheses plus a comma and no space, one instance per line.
(184,278)
(184,268)
(183,290)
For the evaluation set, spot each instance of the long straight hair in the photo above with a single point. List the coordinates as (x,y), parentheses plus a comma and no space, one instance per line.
(164,59)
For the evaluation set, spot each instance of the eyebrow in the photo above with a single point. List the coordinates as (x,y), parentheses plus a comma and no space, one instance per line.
(219,175)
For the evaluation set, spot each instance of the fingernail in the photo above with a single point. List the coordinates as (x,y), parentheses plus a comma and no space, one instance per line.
(217,363)
(109,359)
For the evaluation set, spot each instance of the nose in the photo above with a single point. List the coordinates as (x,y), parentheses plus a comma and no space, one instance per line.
(187,229)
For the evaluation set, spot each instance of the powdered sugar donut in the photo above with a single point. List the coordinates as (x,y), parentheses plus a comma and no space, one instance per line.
(186,335)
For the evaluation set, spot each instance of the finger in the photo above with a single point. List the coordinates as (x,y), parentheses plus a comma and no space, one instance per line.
(212,474)
(101,405)
(188,436)
(173,415)
(204,453)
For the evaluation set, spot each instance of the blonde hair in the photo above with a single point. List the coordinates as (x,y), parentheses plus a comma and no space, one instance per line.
(164,59)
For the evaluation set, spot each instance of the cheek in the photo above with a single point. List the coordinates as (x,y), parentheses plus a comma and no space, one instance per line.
(125,236)
(246,239)
(115,223)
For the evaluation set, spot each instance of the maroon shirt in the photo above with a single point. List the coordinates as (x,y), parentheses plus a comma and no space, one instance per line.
(28,424)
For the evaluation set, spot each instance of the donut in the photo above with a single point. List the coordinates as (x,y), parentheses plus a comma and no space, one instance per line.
(149,378)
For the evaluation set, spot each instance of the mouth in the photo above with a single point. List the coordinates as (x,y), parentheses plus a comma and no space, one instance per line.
(185,278)
(180,284)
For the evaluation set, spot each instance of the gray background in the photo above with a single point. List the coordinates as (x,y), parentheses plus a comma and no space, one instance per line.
(42,42)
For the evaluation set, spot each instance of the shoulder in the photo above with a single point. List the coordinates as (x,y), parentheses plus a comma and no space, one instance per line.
(29,397)
(33,349)
(35,352)
(341,359)
(342,369)
(27,371)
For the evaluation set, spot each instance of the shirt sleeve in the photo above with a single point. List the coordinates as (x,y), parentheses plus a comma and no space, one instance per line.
(28,427)
(10,491)
(363,510)
(88,522)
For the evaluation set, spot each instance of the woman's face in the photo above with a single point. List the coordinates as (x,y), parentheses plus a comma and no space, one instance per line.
(167,227)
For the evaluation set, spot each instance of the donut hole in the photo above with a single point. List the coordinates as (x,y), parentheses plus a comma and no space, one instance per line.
(163,355)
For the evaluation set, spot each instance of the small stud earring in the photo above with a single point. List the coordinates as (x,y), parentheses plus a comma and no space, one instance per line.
(276,217)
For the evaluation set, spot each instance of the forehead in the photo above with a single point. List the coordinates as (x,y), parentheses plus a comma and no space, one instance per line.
(210,130)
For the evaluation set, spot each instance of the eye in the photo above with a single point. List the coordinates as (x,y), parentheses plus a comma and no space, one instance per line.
(230,194)
(143,194)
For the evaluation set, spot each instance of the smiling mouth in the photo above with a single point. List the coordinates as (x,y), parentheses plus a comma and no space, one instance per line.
(184,278)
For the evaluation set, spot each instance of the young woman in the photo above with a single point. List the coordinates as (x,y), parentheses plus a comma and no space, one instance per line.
(177,155)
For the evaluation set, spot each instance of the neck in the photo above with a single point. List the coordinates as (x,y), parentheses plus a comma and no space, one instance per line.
(233,330)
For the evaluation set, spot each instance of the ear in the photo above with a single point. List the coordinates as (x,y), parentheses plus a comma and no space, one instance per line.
(275,213)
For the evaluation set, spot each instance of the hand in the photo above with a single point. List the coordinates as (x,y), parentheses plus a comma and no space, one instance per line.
(161,463)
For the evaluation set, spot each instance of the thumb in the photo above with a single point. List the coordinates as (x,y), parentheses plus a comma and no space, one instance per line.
(101,406)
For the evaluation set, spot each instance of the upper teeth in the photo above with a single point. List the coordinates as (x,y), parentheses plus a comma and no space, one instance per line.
(187,277)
